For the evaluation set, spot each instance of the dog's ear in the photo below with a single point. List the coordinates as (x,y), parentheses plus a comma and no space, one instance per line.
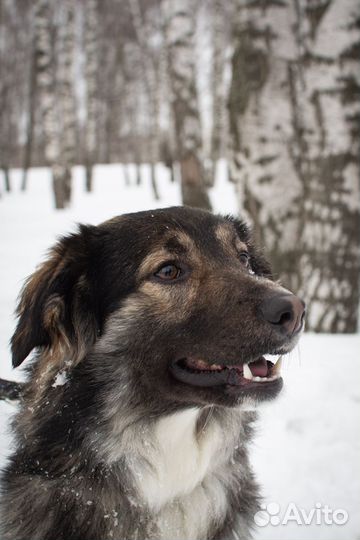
(57,306)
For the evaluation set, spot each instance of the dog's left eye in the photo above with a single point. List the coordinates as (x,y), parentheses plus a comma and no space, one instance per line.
(168,272)
(244,258)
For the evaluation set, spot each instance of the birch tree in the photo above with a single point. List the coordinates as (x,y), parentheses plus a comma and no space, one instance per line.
(132,109)
(91,65)
(179,22)
(219,124)
(328,143)
(56,95)
(294,103)
(5,99)
(149,68)
(13,58)
(66,101)
(261,128)
(30,120)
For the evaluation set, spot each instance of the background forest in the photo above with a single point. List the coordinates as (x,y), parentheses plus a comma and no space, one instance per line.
(270,87)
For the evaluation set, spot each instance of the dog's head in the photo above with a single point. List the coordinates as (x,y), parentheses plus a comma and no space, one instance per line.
(178,299)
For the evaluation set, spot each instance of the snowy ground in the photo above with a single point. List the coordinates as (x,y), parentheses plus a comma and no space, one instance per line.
(306,454)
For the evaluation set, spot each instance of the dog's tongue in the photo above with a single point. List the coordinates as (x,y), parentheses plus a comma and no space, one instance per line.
(259,368)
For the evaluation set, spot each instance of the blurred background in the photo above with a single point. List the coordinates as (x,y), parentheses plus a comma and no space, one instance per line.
(250,107)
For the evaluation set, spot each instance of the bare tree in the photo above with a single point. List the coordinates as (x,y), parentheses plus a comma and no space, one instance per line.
(179,30)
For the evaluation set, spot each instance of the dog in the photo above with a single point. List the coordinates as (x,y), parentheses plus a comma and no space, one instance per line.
(149,334)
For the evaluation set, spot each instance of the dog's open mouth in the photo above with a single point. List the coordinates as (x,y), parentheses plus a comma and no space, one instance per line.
(197,372)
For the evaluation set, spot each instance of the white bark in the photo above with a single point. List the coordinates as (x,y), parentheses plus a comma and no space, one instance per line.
(13,63)
(150,78)
(46,79)
(56,96)
(66,99)
(219,124)
(330,171)
(261,123)
(179,21)
(295,140)
(91,67)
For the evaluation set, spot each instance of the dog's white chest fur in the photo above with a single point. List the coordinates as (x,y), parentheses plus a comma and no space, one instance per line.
(180,479)
(181,459)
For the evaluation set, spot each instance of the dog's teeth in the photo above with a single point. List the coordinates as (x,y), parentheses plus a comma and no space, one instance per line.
(247,373)
(200,364)
(214,367)
(276,370)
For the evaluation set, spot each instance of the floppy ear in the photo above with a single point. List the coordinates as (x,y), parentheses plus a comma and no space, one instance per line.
(57,307)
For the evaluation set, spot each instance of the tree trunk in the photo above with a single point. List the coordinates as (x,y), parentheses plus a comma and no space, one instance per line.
(153,181)
(193,193)
(88,177)
(7,179)
(166,156)
(138,172)
(330,163)
(67,97)
(91,66)
(56,96)
(30,120)
(261,129)
(218,134)
(297,177)
(46,84)
(126,175)
(150,78)
(179,31)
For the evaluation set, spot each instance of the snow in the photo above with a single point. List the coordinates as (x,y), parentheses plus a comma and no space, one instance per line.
(307,449)
(60,379)
(306,453)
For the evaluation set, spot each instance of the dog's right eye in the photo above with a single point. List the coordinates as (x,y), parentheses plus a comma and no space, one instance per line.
(168,272)
(244,258)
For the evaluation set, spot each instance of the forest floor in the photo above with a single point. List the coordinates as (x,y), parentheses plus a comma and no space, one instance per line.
(307,448)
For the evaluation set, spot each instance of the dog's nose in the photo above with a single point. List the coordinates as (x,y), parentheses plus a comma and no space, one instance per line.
(285,311)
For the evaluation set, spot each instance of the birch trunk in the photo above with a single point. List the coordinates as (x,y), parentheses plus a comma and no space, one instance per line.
(330,163)
(218,135)
(91,66)
(179,31)
(30,119)
(149,76)
(261,129)
(6,173)
(45,70)
(56,97)
(67,99)
(294,108)
(6,88)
